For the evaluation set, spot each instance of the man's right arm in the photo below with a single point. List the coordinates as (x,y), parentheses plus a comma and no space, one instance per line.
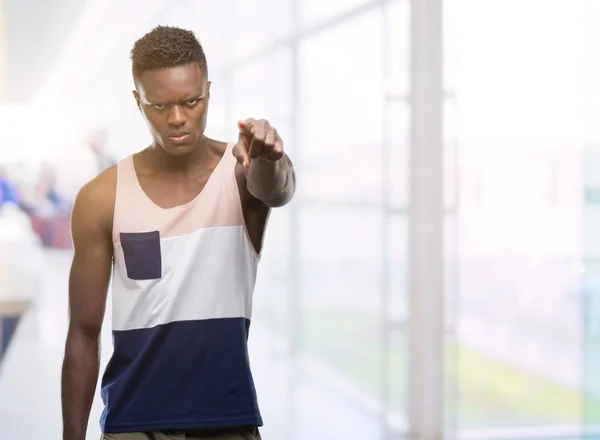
(91,225)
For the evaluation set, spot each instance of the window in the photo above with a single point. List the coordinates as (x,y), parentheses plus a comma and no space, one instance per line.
(262,89)
(394,343)
(316,11)
(258,24)
(397,14)
(397,126)
(341,112)
(519,319)
(590,283)
(341,254)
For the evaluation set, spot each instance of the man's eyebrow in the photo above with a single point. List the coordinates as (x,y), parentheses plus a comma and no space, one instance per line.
(193,97)
(196,96)
(150,102)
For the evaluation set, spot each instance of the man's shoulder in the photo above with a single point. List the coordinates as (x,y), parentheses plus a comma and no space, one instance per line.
(100,192)
(106,181)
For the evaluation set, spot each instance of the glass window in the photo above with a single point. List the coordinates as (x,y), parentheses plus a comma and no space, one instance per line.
(451,154)
(590,287)
(519,339)
(272,300)
(451,291)
(590,279)
(397,259)
(398,130)
(262,89)
(591,72)
(394,344)
(590,284)
(258,24)
(341,295)
(451,47)
(397,14)
(315,11)
(341,253)
(396,383)
(341,112)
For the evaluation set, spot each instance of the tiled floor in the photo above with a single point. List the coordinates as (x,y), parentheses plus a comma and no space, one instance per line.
(294,405)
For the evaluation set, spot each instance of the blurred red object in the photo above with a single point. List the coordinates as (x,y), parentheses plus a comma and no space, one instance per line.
(54,232)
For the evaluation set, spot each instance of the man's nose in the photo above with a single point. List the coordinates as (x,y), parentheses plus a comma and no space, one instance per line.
(177,116)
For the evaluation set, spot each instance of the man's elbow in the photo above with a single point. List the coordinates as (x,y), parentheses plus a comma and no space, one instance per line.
(280,201)
(84,331)
(284,197)
(280,197)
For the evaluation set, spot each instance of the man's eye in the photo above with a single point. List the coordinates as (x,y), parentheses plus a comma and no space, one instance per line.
(191,103)
(159,106)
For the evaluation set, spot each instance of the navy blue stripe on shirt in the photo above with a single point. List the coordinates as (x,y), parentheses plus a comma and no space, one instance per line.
(181,375)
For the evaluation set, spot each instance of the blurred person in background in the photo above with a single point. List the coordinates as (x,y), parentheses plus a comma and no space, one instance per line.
(49,209)
(47,188)
(97,143)
(181,226)
(9,192)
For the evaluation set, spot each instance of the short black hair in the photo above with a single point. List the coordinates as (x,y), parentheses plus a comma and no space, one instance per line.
(164,47)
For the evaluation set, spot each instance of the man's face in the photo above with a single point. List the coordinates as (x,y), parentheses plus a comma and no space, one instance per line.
(174,103)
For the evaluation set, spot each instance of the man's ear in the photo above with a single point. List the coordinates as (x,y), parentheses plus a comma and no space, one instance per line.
(138,102)
(208,89)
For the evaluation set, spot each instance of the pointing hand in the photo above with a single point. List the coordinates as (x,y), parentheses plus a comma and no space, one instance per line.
(257,140)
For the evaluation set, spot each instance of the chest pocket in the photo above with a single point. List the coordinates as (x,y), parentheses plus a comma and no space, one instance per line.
(141,250)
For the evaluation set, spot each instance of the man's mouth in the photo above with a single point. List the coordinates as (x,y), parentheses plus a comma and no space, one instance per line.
(179,136)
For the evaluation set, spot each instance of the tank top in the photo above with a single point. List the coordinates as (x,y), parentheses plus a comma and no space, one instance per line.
(182,286)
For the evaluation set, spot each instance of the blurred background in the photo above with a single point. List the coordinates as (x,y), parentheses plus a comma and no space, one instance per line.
(438,273)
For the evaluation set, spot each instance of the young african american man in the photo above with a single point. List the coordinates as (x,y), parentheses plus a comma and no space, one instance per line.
(179,226)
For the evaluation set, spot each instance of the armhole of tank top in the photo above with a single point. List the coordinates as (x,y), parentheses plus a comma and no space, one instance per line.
(115,208)
(240,208)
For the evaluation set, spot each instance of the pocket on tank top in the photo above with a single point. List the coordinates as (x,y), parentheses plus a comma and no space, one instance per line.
(141,251)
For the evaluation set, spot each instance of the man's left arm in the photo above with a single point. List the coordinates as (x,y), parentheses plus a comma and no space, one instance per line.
(269,171)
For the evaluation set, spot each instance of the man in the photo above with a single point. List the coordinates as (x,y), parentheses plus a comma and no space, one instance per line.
(181,226)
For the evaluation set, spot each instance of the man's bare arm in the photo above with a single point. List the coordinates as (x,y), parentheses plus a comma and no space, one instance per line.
(272,182)
(91,226)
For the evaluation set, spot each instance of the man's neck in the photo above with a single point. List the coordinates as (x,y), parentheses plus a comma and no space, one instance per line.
(159,160)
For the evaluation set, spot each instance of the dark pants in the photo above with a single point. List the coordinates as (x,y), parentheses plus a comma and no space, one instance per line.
(242,433)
